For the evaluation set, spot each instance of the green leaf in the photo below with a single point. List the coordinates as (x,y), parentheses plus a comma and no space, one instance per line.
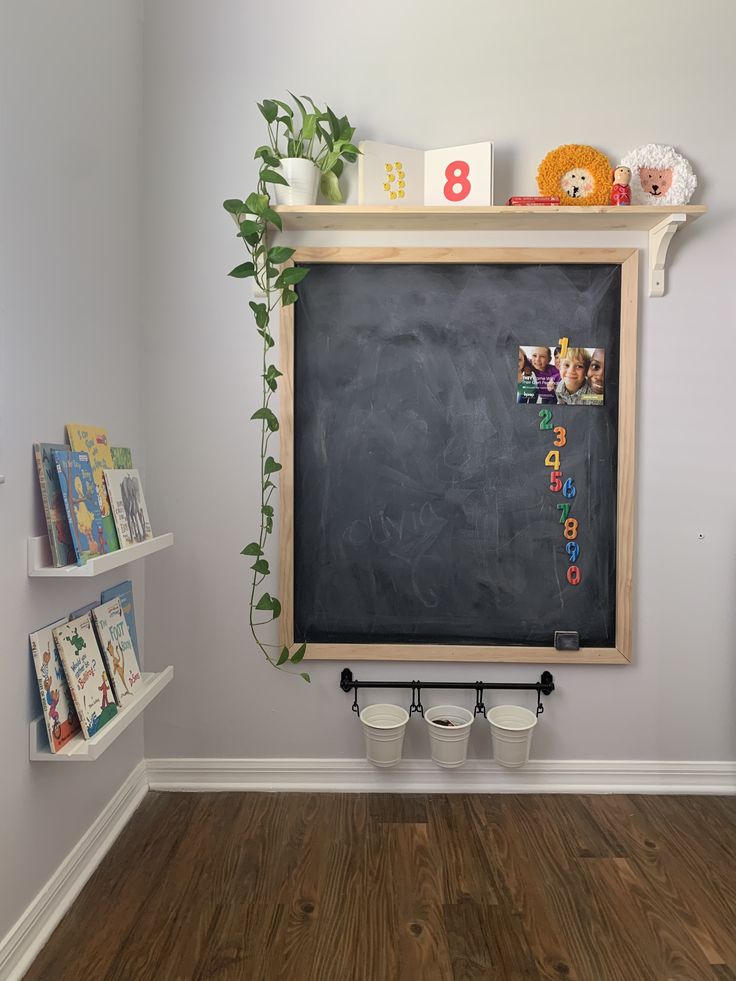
(269,341)
(253,549)
(271,466)
(264,603)
(330,187)
(279,254)
(272,372)
(291,275)
(269,525)
(334,123)
(286,107)
(299,103)
(270,419)
(270,177)
(260,311)
(234,206)
(270,215)
(261,566)
(298,654)
(284,655)
(243,271)
(267,509)
(257,204)
(269,110)
(249,228)
(306,677)
(288,297)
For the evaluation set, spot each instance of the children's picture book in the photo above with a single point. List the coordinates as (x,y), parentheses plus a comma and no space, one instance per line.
(122,458)
(399,175)
(59,713)
(85,672)
(87,608)
(57,523)
(128,506)
(117,650)
(81,503)
(124,590)
(94,442)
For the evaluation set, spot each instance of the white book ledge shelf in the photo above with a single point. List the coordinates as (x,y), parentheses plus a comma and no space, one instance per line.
(80,748)
(660,223)
(39,558)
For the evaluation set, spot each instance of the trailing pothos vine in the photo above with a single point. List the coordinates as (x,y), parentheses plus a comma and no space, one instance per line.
(255,217)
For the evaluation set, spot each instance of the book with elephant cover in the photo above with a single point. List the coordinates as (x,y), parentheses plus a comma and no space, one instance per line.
(117,650)
(128,506)
(94,442)
(57,523)
(82,504)
(86,675)
(59,713)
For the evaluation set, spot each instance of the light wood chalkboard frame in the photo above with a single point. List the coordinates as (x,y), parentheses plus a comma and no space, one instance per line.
(622,652)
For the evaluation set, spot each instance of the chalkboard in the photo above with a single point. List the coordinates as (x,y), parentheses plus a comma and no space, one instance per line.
(423,512)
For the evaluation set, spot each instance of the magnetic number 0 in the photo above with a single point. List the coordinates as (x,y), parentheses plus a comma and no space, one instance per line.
(561,436)
(457,173)
(546,416)
(571,529)
(574,575)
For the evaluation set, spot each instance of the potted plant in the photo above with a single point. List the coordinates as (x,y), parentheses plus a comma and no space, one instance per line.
(274,283)
(308,155)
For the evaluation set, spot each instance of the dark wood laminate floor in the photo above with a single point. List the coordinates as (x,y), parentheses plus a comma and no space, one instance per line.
(354,887)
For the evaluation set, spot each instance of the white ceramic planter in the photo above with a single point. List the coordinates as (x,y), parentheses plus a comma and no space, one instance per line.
(512,728)
(303,177)
(384,727)
(449,744)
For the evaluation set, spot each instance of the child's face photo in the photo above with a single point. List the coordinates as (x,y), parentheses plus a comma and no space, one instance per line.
(572,370)
(596,370)
(540,358)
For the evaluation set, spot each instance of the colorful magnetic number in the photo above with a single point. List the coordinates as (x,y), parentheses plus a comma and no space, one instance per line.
(573,550)
(457,186)
(563,346)
(546,416)
(552,459)
(565,509)
(555,483)
(571,529)
(569,489)
(561,436)
(574,575)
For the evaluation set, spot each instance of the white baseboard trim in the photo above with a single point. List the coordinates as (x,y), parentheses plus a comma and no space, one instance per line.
(24,941)
(422,776)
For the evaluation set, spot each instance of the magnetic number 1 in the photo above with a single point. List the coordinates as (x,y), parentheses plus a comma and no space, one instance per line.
(563,346)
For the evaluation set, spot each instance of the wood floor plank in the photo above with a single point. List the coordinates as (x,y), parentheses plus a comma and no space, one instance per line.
(487,943)
(464,870)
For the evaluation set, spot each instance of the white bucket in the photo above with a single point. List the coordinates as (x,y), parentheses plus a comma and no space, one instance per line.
(449,744)
(512,728)
(303,176)
(384,727)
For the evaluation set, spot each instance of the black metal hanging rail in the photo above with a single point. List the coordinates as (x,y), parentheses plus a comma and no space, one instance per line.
(545,686)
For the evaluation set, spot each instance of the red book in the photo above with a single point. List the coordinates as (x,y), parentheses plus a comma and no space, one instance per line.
(532,201)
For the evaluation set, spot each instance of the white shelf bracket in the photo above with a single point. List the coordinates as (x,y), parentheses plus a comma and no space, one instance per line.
(659,242)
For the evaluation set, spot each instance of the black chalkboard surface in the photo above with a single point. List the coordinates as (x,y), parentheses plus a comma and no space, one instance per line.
(422,503)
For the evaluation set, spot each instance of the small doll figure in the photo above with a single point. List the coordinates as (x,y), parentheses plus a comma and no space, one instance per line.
(621,191)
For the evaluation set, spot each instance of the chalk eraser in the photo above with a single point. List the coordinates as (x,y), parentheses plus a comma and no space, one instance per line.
(567,640)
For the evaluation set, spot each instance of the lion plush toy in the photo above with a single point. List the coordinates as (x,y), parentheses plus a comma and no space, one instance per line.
(576,174)
(659,175)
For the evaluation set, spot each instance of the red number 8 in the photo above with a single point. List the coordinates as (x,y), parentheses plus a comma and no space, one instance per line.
(457,173)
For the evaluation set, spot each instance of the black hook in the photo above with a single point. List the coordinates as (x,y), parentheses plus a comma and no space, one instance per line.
(416,699)
(480,708)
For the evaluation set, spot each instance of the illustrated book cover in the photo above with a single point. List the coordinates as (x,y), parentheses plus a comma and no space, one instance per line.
(94,442)
(122,458)
(117,650)
(85,672)
(59,713)
(57,523)
(128,506)
(81,503)
(399,175)
(124,590)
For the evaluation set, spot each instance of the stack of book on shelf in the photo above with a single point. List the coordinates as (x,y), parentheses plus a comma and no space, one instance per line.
(92,496)
(87,666)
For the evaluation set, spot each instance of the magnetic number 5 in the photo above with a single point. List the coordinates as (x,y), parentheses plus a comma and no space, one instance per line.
(561,436)
(546,416)
(554,481)
(574,575)
(571,529)
(457,177)
(552,459)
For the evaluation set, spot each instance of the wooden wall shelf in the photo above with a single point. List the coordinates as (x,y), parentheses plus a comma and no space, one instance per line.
(80,748)
(39,558)
(660,223)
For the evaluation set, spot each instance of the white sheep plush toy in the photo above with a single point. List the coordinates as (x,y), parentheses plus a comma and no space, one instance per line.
(659,175)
